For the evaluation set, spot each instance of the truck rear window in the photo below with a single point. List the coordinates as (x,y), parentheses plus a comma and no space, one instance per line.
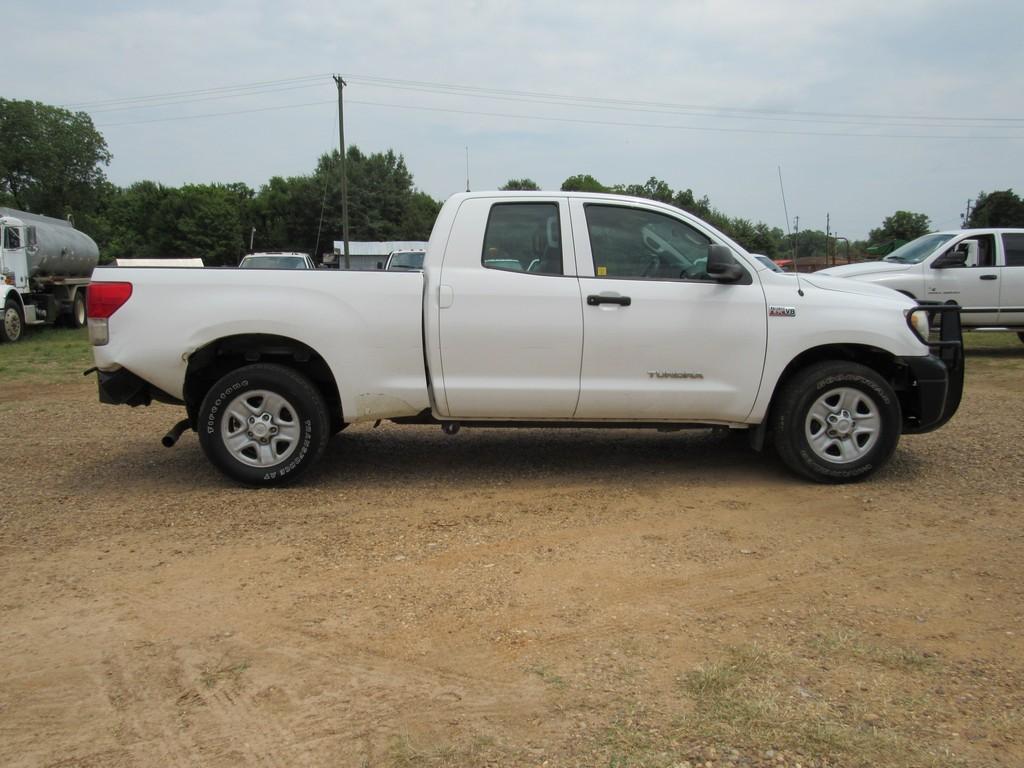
(523,237)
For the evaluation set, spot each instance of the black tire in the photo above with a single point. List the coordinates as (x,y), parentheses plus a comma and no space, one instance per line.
(1020,335)
(277,417)
(77,318)
(12,324)
(862,439)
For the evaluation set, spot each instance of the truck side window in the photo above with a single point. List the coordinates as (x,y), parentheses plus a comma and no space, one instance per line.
(639,244)
(523,237)
(1013,248)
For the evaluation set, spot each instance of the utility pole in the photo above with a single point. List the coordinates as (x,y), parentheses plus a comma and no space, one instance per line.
(828,231)
(344,173)
(796,238)
(965,218)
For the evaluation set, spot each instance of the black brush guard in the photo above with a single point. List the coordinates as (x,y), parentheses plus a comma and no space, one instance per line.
(938,379)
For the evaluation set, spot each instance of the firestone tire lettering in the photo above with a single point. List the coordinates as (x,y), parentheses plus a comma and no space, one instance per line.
(294,387)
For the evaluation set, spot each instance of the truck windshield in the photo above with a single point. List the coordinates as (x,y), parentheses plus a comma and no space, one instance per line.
(273,262)
(918,250)
(411,260)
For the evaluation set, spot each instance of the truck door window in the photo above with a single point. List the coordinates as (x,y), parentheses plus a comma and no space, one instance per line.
(638,244)
(523,237)
(12,238)
(1013,248)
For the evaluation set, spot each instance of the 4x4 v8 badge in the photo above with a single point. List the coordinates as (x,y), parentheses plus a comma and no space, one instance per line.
(781,311)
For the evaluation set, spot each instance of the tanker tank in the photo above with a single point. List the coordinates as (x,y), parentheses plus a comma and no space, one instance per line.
(55,248)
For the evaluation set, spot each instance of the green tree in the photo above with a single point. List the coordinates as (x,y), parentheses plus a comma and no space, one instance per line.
(902,225)
(583,182)
(997,209)
(51,159)
(420,216)
(524,185)
(652,189)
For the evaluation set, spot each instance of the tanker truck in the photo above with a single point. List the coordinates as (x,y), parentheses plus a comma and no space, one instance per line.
(45,265)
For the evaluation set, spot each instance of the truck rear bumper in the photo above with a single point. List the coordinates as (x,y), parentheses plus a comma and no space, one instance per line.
(122,387)
(936,381)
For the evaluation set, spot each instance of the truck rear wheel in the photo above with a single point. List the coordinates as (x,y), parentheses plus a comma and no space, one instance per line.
(13,325)
(836,422)
(77,319)
(263,424)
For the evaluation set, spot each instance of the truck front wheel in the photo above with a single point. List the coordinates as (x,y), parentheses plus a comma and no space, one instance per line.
(263,424)
(13,325)
(836,422)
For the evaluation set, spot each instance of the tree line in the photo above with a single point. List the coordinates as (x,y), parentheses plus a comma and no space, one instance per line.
(52,162)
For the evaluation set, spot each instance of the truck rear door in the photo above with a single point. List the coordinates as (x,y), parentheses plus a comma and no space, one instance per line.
(510,312)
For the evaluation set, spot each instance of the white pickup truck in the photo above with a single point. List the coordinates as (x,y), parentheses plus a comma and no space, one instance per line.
(982,270)
(533,309)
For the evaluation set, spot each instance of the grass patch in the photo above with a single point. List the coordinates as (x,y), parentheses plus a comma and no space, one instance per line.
(851,644)
(46,355)
(549,677)
(222,671)
(407,753)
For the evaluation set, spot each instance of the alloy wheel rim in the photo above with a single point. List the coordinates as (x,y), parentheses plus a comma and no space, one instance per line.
(260,428)
(843,425)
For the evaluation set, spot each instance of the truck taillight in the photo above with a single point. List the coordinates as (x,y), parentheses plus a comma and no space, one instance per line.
(104,299)
(101,301)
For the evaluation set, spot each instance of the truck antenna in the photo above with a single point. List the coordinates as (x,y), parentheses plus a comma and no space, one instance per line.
(467,169)
(785,209)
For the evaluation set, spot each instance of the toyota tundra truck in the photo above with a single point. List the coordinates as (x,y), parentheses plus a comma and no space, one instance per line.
(532,310)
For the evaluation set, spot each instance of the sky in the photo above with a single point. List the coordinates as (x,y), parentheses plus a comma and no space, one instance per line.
(866,106)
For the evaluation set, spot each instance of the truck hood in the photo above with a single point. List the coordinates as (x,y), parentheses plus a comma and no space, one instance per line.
(867,268)
(829,282)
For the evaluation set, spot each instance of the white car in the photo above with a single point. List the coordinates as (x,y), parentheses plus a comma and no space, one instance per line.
(982,270)
(277,260)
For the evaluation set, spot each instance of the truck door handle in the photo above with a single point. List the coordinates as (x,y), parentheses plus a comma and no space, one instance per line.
(594,299)
(989,277)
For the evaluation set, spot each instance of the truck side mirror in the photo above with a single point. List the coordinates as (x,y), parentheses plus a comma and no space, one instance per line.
(722,264)
(954,258)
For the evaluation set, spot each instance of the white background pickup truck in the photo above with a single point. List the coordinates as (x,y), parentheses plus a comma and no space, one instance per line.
(982,270)
(532,309)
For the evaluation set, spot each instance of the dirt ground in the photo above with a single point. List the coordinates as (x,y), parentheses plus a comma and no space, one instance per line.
(559,598)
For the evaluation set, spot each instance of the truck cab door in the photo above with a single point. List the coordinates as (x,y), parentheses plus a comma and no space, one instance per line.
(973,286)
(13,255)
(510,313)
(1011,282)
(662,340)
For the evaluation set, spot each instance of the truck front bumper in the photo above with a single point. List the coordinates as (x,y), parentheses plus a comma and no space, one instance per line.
(935,382)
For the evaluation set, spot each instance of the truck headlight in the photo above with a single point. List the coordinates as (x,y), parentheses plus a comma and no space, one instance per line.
(917,319)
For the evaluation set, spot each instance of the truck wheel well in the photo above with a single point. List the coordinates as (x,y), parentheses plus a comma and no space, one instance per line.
(210,363)
(874,358)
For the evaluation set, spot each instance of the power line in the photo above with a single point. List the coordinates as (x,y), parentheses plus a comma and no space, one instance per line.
(220,97)
(693,112)
(558,99)
(548,118)
(751,110)
(200,91)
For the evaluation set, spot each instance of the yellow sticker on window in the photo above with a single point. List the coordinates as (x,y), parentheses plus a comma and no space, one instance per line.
(602,271)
